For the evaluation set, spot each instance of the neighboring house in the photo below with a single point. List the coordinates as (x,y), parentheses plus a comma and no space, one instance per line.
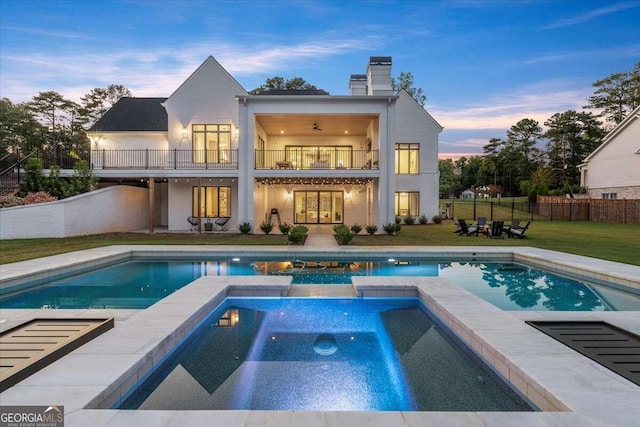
(612,171)
(212,150)
(468,194)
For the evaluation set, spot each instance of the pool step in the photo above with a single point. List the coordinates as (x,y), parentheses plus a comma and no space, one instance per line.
(322,291)
(610,346)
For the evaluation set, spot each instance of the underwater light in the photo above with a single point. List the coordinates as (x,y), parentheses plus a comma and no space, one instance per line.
(235,259)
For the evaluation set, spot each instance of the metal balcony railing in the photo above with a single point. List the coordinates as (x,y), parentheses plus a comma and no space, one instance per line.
(317,158)
(164,159)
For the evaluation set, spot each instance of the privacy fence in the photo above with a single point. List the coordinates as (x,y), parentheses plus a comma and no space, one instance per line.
(546,208)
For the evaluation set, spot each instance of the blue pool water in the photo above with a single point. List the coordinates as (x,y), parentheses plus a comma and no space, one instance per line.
(325,355)
(139,284)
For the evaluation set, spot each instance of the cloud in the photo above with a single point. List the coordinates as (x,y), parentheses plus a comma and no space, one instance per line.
(588,16)
(44,32)
(538,101)
(154,72)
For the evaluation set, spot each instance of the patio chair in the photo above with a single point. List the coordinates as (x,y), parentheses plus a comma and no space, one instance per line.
(221,224)
(464,228)
(475,229)
(458,230)
(193,221)
(518,232)
(514,224)
(496,229)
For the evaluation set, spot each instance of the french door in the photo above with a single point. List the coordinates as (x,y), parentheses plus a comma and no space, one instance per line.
(318,207)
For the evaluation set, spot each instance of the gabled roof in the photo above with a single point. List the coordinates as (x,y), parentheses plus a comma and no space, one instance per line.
(635,114)
(405,94)
(134,115)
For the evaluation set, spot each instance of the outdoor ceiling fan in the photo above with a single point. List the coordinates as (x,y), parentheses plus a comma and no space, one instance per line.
(317,127)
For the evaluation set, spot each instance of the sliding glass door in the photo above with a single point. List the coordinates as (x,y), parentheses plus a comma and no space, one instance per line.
(318,207)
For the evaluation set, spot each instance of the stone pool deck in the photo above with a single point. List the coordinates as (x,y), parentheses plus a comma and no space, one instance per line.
(567,387)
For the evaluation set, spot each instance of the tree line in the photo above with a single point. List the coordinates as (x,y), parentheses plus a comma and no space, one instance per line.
(532,160)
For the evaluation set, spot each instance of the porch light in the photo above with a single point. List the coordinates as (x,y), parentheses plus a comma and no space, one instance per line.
(184,132)
(236,131)
(347,195)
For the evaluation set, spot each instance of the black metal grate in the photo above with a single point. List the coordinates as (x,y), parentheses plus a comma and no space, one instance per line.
(610,346)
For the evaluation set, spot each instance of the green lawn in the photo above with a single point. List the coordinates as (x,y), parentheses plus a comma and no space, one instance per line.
(615,242)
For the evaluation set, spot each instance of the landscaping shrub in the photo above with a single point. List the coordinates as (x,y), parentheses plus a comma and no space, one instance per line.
(285,228)
(10,201)
(39,197)
(343,234)
(245,228)
(371,229)
(356,228)
(391,228)
(437,219)
(298,234)
(409,220)
(266,227)
(423,219)
(398,219)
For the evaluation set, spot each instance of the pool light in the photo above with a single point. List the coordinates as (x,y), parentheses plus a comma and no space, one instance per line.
(235,259)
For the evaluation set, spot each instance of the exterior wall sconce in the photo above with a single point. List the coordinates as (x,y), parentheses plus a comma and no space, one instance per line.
(288,195)
(347,195)
(236,131)
(184,132)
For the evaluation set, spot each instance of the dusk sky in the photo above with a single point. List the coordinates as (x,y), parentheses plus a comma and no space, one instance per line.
(483,65)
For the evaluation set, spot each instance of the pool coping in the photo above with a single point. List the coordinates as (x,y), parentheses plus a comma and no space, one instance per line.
(551,375)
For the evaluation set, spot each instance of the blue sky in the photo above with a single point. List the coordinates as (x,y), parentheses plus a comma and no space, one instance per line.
(483,65)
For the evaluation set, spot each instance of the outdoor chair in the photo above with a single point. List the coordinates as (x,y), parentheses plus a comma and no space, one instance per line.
(464,228)
(458,230)
(518,232)
(496,229)
(475,229)
(221,224)
(514,224)
(193,221)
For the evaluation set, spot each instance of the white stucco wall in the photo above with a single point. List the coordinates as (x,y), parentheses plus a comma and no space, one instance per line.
(615,166)
(180,200)
(112,209)
(414,125)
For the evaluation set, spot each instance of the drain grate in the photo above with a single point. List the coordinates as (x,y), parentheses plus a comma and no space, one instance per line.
(610,346)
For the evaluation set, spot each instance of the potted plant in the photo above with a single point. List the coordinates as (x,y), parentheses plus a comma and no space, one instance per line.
(208,226)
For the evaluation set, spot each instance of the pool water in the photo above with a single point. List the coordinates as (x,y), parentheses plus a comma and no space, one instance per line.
(141,283)
(325,355)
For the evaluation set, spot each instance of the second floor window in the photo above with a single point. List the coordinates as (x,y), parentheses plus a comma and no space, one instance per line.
(407,158)
(211,143)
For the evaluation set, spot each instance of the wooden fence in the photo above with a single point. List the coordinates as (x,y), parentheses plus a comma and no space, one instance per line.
(622,211)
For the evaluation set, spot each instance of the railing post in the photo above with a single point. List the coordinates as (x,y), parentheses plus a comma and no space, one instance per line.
(104,158)
(146,158)
(175,158)
(474,206)
(491,211)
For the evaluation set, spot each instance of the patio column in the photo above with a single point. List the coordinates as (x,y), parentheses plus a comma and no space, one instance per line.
(152,190)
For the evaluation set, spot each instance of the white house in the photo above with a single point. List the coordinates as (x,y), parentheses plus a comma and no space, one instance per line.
(612,171)
(304,157)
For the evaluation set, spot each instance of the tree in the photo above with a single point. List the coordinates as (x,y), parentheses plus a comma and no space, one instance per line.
(279,83)
(469,172)
(20,132)
(449,182)
(513,160)
(617,95)
(571,136)
(98,101)
(405,82)
(53,111)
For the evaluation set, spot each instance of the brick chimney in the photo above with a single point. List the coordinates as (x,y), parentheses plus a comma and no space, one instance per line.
(379,76)
(358,84)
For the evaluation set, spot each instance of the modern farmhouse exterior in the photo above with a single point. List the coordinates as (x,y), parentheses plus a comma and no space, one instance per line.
(303,157)
(612,171)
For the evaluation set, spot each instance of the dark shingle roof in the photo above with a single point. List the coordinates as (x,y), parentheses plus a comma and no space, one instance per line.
(134,114)
(296,92)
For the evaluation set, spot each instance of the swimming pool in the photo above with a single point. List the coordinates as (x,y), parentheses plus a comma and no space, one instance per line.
(141,283)
(323,354)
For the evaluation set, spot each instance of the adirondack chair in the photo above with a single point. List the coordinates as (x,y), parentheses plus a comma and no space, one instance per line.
(496,229)
(464,228)
(518,232)
(475,229)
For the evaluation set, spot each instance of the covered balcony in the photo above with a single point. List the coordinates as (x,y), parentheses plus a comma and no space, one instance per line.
(164,159)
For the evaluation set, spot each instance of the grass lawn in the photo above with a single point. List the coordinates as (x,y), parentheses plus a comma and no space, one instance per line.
(614,242)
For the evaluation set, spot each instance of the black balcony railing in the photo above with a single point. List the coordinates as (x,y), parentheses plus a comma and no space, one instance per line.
(164,159)
(317,158)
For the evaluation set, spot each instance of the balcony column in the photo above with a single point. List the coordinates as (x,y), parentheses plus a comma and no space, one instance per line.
(152,190)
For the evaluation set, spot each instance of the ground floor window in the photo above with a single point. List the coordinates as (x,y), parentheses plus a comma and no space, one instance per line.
(407,203)
(214,202)
(318,207)
(609,195)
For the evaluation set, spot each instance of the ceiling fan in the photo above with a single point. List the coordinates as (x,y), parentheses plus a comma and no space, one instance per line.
(317,127)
